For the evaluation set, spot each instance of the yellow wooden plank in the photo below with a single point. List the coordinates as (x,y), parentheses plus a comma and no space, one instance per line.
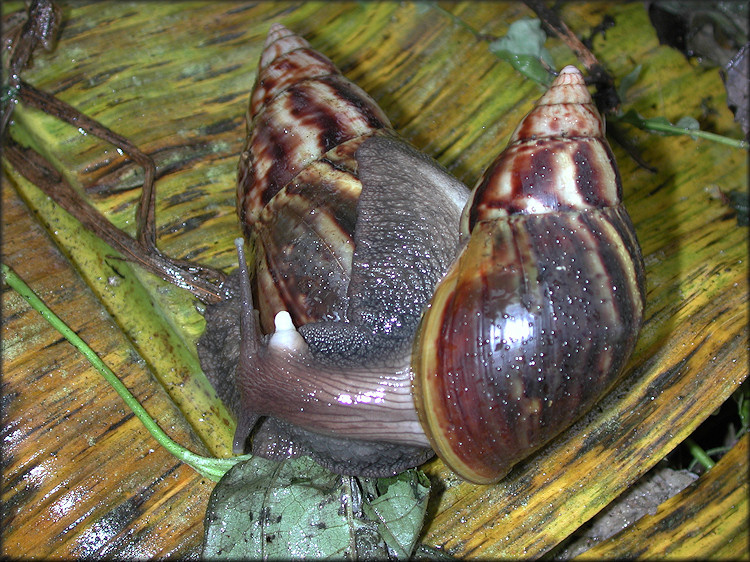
(175,79)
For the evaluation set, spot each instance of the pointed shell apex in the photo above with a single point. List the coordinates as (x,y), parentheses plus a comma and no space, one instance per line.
(276,32)
(566,110)
(568,87)
(279,41)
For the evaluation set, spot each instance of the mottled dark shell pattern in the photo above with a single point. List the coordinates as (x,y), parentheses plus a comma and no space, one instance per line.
(298,188)
(538,315)
(297,196)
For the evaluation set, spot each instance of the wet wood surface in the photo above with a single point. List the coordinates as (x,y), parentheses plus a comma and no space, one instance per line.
(82,477)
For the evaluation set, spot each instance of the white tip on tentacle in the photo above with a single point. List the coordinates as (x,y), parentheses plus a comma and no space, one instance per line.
(285,335)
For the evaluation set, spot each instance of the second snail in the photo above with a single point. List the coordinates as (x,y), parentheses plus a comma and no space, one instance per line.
(401,313)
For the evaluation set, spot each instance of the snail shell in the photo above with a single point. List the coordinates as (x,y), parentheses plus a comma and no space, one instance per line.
(298,186)
(538,315)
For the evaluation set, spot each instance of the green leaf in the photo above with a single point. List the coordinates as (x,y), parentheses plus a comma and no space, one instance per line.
(400,510)
(688,123)
(530,67)
(296,509)
(523,47)
(266,509)
(627,82)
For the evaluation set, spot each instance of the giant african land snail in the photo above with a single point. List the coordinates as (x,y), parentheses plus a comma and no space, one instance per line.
(540,282)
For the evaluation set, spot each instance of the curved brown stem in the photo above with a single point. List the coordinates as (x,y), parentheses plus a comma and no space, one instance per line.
(35,168)
(51,105)
(41,28)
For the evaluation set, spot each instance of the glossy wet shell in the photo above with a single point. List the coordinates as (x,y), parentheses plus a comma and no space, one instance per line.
(298,189)
(537,317)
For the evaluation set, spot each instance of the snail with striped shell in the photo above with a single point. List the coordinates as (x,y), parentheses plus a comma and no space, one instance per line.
(405,313)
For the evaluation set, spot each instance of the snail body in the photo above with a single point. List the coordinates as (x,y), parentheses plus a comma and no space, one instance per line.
(532,284)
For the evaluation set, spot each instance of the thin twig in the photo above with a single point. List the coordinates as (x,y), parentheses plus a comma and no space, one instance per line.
(41,28)
(35,168)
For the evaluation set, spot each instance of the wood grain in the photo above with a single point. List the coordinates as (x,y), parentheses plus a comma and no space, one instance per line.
(709,517)
(83,478)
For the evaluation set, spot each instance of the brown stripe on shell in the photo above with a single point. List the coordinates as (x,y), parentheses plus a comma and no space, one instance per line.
(623,282)
(534,304)
(298,127)
(545,176)
(285,71)
(597,177)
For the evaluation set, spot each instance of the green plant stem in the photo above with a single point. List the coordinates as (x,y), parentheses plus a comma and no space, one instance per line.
(699,454)
(674,130)
(661,125)
(209,467)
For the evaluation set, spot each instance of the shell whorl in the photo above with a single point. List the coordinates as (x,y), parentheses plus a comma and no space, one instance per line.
(297,184)
(301,108)
(537,316)
(557,159)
